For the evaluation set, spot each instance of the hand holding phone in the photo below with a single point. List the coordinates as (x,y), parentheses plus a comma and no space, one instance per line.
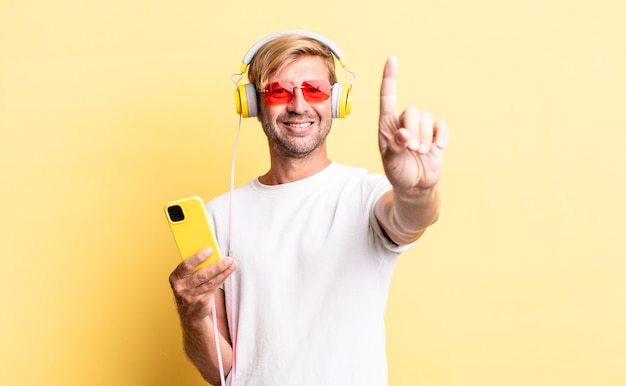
(191,229)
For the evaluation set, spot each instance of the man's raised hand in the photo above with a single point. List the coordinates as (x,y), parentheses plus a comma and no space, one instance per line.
(411,144)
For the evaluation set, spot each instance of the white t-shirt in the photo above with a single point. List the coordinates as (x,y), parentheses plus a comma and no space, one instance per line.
(312,283)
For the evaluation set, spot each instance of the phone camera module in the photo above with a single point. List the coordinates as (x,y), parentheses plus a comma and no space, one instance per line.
(176,213)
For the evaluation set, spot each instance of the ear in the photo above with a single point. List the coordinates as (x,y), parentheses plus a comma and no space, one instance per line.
(259,115)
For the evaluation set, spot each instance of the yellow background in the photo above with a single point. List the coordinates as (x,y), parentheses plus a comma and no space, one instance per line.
(108,109)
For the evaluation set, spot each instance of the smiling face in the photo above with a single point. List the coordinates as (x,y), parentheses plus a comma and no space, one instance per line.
(298,128)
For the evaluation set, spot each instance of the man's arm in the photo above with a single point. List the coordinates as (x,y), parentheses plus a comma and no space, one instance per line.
(411,146)
(194,294)
(405,219)
(199,343)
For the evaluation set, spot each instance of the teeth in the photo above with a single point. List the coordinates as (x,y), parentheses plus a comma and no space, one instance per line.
(300,125)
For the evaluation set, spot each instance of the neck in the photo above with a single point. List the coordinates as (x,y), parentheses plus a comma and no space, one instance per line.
(285,170)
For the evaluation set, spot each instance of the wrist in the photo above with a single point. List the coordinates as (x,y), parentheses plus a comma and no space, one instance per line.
(417,209)
(194,316)
(415,196)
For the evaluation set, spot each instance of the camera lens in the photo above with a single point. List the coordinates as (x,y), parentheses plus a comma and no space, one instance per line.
(176,213)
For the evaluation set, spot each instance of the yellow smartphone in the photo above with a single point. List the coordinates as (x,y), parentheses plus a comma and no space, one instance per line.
(191,229)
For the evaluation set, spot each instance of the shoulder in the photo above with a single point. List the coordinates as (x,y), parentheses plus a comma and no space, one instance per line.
(220,204)
(347,172)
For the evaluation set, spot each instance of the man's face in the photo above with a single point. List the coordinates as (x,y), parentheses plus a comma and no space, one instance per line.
(299,127)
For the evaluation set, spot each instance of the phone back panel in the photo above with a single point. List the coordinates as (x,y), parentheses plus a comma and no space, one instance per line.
(193,232)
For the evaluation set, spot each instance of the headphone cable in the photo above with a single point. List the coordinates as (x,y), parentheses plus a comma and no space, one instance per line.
(233,314)
(216,333)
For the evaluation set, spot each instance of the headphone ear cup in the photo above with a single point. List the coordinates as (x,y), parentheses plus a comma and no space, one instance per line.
(341,100)
(245,100)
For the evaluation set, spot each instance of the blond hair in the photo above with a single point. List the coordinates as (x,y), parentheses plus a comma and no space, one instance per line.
(279,52)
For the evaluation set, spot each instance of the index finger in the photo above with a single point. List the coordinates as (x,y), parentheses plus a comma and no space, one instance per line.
(186,267)
(388,87)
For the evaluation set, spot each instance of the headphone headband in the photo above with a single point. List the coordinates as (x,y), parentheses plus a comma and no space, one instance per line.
(253,50)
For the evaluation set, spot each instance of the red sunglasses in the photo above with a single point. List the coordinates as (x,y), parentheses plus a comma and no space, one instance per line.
(281,93)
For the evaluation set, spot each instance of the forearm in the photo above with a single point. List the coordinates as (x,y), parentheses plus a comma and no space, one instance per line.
(405,216)
(200,346)
(199,301)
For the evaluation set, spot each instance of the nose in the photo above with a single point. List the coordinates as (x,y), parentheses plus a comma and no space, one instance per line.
(298,104)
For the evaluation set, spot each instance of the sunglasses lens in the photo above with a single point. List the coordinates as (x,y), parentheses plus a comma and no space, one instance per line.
(281,93)
(316,90)
(278,93)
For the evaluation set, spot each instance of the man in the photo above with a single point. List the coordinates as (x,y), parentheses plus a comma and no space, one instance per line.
(315,242)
